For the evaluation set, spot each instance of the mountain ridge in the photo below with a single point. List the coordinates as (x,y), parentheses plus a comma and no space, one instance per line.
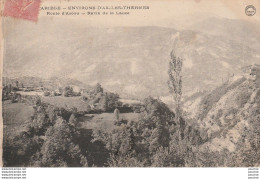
(132,61)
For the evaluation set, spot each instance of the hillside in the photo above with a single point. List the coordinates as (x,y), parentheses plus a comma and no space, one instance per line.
(230,113)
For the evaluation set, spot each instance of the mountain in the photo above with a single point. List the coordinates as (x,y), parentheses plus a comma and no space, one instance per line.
(238,30)
(132,61)
(230,113)
(26,81)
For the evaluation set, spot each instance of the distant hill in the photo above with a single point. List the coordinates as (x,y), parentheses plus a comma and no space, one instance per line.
(26,81)
(51,83)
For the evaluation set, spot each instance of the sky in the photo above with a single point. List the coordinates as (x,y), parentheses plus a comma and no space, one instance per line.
(169,13)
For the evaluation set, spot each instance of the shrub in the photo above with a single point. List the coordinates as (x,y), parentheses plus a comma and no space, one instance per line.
(68,91)
(98,89)
(46,93)
(165,157)
(124,161)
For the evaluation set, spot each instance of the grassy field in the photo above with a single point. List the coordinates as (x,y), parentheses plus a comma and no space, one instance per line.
(66,102)
(15,117)
(105,121)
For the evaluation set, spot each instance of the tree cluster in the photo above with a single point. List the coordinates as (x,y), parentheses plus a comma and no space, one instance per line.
(48,141)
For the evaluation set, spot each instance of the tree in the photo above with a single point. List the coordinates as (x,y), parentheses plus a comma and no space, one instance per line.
(116,113)
(98,88)
(175,85)
(5,92)
(17,84)
(18,150)
(112,101)
(52,113)
(107,101)
(124,161)
(68,91)
(102,101)
(13,98)
(46,93)
(40,84)
(73,120)
(59,147)
(88,108)
(10,88)
(166,157)
(154,124)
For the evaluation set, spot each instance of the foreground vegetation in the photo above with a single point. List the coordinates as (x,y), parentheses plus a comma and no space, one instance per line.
(55,136)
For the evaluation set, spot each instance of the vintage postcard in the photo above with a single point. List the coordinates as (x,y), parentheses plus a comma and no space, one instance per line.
(130,83)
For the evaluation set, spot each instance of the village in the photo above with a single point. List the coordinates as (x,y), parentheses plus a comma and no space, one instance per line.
(95,100)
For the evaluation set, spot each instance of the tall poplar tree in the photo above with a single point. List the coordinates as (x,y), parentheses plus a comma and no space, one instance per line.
(175,85)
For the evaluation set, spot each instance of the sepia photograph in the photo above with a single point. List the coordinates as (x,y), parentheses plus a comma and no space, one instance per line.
(131,84)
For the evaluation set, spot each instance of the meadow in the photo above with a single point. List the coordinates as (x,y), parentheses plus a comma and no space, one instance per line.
(105,121)
(66,102)
(16,116)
